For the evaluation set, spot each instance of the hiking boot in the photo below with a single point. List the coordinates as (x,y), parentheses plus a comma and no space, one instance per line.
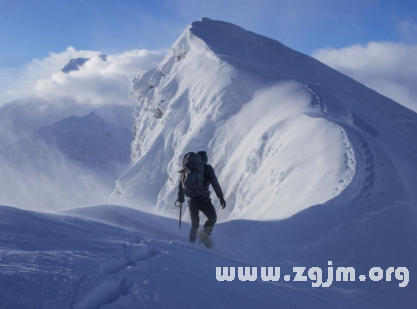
(204,237)
(204,234)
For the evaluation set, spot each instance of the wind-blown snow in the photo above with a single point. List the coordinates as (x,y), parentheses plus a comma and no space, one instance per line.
(73,162)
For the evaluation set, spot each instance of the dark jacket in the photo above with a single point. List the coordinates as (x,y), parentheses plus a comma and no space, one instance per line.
(209,178)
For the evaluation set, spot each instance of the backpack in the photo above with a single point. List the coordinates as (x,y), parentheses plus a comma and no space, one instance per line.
(192,175)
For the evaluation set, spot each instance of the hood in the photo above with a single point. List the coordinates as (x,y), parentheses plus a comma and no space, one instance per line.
(203,156)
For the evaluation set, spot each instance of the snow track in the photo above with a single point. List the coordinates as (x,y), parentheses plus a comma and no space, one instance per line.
(110,280)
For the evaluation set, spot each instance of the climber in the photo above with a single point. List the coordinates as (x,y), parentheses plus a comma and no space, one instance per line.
(196,176)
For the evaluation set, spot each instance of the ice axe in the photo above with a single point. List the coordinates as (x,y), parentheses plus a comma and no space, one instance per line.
(180,207)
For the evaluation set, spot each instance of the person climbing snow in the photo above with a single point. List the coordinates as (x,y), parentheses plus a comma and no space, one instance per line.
(196,176)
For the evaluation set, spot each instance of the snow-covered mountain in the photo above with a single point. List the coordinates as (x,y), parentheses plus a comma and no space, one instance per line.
(74,64)
(282,130)
(317,169)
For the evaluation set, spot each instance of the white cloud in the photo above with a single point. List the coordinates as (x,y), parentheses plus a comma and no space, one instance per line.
(97,82)
(389,68)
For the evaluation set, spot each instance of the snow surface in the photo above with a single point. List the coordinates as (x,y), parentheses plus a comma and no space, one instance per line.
(130,259)
(315,168)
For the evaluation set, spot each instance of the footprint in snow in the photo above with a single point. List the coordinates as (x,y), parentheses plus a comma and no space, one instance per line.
(107,292)
(130,257)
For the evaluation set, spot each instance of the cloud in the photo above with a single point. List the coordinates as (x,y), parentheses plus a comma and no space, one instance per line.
(97,82)
(389,68)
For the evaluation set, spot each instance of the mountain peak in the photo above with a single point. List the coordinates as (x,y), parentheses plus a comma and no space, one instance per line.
(74,64)
(243,95)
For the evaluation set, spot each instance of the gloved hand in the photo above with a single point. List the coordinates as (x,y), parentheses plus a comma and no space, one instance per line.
(223,202)
(181,200)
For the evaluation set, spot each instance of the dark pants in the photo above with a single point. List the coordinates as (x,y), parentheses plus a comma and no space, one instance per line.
(207,208)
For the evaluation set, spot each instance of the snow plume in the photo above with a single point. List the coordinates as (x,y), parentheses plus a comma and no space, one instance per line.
(73,162)
(99,81)
(389,68)
(45,180)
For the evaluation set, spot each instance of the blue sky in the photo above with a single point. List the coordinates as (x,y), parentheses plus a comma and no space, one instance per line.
(33,28)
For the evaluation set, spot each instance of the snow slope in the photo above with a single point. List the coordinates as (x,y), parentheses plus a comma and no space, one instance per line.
(130,259)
